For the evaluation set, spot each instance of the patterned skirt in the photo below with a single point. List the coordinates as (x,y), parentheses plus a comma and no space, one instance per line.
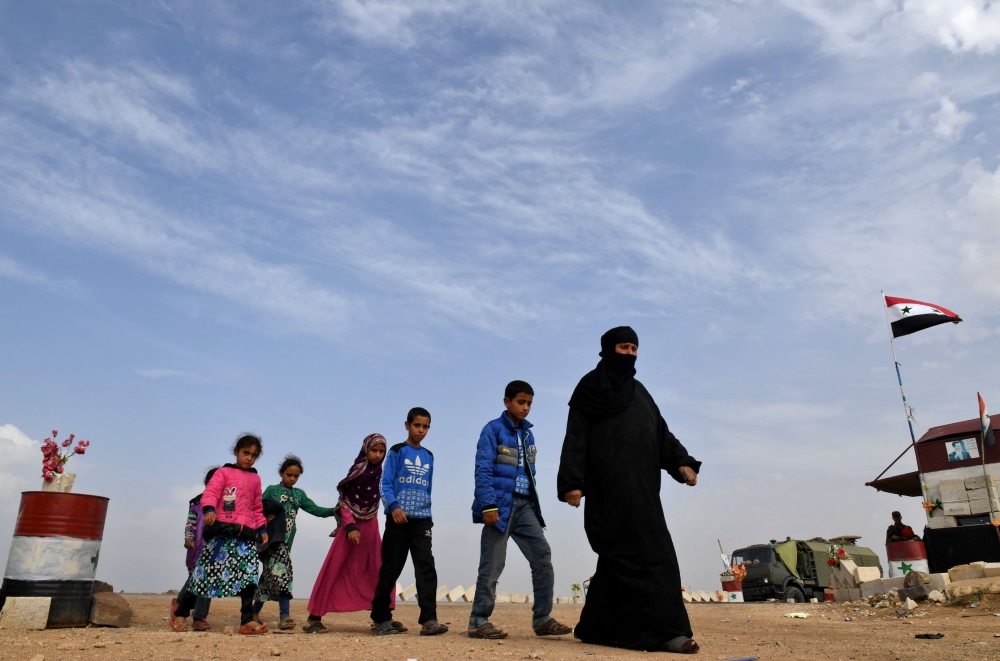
(225,567)
(276,579)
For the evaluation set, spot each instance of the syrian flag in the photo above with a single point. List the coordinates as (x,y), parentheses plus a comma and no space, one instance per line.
(984,422)
(908,316)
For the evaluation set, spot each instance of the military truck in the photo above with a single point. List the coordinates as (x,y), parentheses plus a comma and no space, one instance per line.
(795,569)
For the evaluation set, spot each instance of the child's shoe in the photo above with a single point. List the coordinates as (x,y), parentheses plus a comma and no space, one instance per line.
(315,626)
(251,628)
(384,629)
(176,623)
(201,625)
(433,628)
(286,624)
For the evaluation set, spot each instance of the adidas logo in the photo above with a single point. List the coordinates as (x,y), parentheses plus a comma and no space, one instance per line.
(417,468)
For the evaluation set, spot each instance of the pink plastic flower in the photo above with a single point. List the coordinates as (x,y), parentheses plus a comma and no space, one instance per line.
(54,433)
(47,475)
(71,437)
(67,443)
(79,449)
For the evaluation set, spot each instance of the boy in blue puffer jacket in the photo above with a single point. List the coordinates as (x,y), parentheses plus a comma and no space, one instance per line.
(507,503)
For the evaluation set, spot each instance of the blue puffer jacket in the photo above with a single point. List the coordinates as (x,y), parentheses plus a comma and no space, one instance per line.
(496,469)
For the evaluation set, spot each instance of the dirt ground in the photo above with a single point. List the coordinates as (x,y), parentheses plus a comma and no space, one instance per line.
(725,631)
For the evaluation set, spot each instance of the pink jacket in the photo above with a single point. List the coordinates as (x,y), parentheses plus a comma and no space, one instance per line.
(235,496)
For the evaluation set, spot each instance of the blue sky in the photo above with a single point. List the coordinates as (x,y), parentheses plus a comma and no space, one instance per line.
(303,220)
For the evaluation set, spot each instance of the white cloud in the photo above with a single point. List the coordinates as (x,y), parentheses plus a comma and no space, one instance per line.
(950,122)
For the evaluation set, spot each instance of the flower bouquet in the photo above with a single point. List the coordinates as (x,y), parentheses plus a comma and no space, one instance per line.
(835,554)
(54,460)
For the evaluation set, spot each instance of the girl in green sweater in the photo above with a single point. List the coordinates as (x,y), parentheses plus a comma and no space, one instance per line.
(275,582)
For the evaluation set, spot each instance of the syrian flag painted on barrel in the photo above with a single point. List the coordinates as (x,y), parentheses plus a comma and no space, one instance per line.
(909,316)
(984,422)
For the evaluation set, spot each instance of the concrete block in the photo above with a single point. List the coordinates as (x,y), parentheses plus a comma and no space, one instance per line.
(517,598)
(531,598)
(980,506)
(864,574)
(686,596)
(31,613)
(841,594)
(442,592)
(814,600)
(909,604)
(933,493)
(956,509)
(108,609)
(966,572)
(399,590)
(457,594)
(941,521)
(713,597)
(939,581)
(961,589)
(504,598)
(991,569)
(952,485)
(470,594)
(408,593)
(954,496)
(896,582)
(937,597)
(978,494)
(853,594)
(577,600)
(977,482)
(703,596)
(872,588)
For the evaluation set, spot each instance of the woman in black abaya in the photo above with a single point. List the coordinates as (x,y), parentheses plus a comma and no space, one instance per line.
(616,444)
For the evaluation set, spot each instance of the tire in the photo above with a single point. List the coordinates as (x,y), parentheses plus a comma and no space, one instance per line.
(795,594)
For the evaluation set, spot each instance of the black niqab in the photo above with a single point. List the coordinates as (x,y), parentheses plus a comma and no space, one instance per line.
(608,389)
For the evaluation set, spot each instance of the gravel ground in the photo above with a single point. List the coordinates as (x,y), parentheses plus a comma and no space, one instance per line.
(725,631)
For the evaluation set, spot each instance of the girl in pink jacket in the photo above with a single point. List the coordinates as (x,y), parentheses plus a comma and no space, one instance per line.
(234,520)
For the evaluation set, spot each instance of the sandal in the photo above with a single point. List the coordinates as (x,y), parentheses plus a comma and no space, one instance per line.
(398,626)
(286,623)
(433,628)
(681,645)
(176,623)
(315,626)
(201,625)
(251,628)
(553,628)
(488,632)
(384,629)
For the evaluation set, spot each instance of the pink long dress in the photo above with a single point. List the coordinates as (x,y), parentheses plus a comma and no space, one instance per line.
(349,575)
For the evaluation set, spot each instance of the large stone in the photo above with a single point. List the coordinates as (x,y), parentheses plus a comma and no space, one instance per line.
(31,613)
(939,581)
(517,598)
(916,593)
(442,592)
(864,574)
(108,609)
(101,586)
(937,597)
(456,594)
(409,593)
(991,569)
(872,588)
(967,572)
(909,604)
(914,578)
(960,589)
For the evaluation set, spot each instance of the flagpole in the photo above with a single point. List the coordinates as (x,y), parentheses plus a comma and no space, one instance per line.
(986,477)
(906,407)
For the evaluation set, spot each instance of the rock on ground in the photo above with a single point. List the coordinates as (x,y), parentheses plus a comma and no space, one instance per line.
(110,610)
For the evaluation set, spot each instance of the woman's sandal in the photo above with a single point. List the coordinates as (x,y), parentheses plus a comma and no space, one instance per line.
(398,626)
(315,626)
(487,631)
(286,623)
(553,628)
(178,624)
(251,628)
(681,645)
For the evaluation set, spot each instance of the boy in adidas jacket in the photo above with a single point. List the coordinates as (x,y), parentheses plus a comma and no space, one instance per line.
(406,494)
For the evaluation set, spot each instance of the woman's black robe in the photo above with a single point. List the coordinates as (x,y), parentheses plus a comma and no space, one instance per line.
(634,600)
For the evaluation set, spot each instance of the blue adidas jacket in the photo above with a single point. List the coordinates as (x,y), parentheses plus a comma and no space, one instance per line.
(496,469)
(406,480)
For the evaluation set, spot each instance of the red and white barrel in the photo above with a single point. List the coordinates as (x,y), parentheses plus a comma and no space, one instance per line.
(906,557)
(732,590)
(54,553)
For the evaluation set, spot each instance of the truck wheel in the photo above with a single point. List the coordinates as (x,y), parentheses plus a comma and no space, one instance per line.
(796,595)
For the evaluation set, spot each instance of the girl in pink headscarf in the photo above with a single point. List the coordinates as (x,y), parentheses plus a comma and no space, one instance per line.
(347,580)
